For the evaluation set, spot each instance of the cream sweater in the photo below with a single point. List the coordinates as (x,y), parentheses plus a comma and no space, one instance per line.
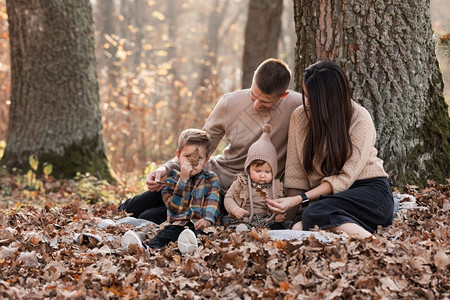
(363,163)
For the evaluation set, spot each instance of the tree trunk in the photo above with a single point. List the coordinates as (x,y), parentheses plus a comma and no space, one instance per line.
(54,110)
(172,14)
(210,45)
(261,35)
(388,51)
(288,38)
(106,47)
(208,80)
(139,15)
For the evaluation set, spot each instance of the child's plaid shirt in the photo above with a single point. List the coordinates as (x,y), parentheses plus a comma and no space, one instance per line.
(193,200)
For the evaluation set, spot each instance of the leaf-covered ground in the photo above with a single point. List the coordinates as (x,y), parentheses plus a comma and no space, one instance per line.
(38,258)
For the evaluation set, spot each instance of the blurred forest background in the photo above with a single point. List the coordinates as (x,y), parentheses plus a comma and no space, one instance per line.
(163,65)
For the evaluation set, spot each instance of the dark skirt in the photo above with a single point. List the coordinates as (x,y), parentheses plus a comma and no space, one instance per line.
(368,203)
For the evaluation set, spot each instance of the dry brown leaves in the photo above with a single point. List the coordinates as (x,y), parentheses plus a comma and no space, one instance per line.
(261,192)
(194,158)
(169,184)
(410,259)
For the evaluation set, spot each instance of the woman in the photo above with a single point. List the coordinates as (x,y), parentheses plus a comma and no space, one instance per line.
(332,167)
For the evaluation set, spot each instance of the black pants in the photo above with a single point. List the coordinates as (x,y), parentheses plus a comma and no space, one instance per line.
(170,234)
(148,205)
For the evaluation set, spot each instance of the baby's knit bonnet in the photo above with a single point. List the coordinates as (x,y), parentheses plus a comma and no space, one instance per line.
(262,149)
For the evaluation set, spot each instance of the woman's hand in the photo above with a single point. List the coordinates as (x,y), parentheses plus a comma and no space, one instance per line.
(281,205)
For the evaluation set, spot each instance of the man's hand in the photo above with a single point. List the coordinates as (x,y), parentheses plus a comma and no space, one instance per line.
(202,224)
(239,212)
(153,178)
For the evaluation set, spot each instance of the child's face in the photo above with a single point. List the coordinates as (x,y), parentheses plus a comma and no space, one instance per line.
(261,174)
(192,155)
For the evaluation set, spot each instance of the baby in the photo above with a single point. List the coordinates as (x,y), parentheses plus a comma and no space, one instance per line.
(245,200)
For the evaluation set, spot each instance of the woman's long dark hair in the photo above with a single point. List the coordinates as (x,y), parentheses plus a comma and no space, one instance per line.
(330,112)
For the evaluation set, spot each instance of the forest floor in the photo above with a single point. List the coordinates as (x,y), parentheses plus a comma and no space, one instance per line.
(38,258)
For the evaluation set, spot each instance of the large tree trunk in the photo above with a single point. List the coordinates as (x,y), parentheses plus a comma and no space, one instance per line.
(261,35)
(208,75)
(54,110)
(211,43)
(108,63)
(388,51)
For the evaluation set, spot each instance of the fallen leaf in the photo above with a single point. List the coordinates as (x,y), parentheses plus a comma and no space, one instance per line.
(284,285)
(441,260)
(261,192)
(194,158)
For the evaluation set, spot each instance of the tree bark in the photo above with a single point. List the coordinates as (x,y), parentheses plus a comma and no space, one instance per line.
(54,110)
(211,44)
(207,90)
(106,47)
(262,33)
(388,51)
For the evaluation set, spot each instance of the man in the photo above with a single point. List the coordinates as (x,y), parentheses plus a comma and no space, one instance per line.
(239,117)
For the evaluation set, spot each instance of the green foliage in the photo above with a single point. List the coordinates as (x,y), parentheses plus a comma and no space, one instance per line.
(17,190)
(83,157)
(30,178)
(34,162)
(32,185)
(93,190)
(2,148)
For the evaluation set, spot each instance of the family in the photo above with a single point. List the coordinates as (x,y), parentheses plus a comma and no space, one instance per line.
(292,161)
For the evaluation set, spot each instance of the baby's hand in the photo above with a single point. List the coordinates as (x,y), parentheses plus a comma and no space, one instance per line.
(202,224)
(280,218)
(239,212)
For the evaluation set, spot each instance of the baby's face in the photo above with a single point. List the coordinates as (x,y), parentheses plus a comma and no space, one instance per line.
(261,174)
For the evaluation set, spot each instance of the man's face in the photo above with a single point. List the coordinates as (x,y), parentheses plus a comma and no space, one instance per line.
(262,102)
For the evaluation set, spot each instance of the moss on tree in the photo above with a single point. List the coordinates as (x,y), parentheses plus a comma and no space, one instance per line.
(85,157)
(435,132)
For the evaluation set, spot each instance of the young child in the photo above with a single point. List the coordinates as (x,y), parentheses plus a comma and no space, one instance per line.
(191,196)
(245,200)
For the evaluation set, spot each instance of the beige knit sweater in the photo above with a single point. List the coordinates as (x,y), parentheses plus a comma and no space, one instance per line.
(363,163)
